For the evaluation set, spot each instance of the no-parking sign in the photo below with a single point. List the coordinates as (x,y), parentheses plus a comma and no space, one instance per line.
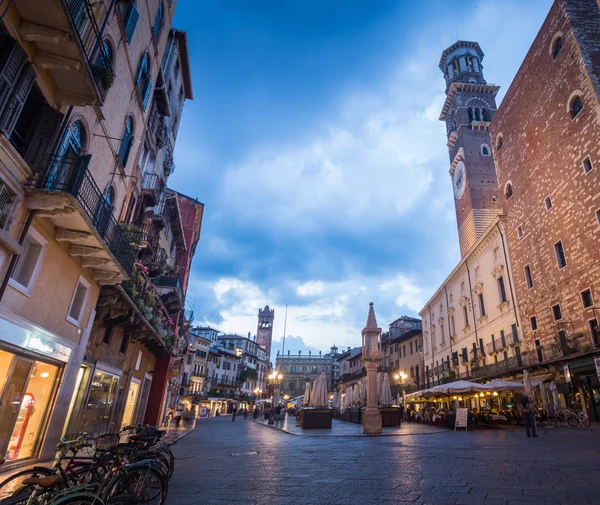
(597,362)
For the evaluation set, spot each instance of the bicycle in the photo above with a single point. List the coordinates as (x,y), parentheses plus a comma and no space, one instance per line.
(114,479)
(576,419)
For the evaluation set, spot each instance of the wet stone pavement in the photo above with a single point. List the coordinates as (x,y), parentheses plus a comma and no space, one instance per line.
(222,462)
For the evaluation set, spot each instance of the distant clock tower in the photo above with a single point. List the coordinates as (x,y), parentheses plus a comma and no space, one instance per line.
(469,107)
(265,329)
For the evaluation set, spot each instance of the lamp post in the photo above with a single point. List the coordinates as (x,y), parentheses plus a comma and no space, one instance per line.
(257,392)
(400,377)
(275,379)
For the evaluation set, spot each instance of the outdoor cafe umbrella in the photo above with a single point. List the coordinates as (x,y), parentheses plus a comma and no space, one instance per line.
(386,392)
(307,394)
(319,398)
(356,394)
(334,401)
(528,389)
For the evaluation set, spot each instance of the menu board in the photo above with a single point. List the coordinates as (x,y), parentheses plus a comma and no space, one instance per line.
(462,417)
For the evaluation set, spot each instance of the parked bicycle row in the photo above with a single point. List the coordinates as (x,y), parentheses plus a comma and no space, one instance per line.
(131,467)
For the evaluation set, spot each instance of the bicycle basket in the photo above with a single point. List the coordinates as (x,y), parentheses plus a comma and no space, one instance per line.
(107,441)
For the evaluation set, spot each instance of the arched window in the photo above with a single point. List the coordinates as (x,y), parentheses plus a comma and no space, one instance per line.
(557,45)
(144,79)
(485,150)
(77,138)
(575,106)
(471,114)
(126,141)
(508,191)
(499,142)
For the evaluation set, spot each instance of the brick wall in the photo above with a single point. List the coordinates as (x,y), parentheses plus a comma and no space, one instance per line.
(542,154)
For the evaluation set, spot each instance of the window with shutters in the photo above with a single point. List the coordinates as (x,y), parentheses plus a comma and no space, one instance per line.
(144,79)
(7,198)
(25,116)
(130,20)
(78,302)
(158,21)
(126,141)
(29,262)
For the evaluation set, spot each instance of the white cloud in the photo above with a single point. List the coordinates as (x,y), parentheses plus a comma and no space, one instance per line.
(310,288)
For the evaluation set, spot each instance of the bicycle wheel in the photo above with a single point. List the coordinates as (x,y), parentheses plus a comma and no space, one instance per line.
(165,456)
(573,420)
(12,490)
(585,420)
(76,498)
(137,483)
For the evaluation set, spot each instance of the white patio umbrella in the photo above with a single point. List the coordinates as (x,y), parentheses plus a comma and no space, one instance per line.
(319,393)
(386,391)
(306,394)
(356,394)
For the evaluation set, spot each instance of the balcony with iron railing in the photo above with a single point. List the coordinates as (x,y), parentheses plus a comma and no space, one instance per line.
(152,189)
(67,194)
(68,45)
(169,287)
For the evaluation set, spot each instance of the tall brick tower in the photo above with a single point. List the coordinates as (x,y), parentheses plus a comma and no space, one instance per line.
(265,328)
(469,107)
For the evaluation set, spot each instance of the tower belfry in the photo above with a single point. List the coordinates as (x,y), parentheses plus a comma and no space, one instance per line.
(265,328)
(469,107)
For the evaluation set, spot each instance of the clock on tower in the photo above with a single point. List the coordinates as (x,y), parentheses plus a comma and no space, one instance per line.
(469,107)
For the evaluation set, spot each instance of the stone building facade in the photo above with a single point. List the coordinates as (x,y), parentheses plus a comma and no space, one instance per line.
(545,145)
(300,368)
(470,324)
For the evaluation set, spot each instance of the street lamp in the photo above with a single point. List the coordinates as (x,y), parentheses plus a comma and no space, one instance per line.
(400,377)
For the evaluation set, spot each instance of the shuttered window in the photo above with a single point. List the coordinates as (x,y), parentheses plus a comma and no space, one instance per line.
(126,141)
(144,80)
(158,21)
(6,199)
(40,143)
(130,21)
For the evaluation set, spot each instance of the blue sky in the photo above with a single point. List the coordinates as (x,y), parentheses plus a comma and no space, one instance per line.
(314,142)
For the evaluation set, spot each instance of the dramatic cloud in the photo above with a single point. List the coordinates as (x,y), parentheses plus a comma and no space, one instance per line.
(319,154)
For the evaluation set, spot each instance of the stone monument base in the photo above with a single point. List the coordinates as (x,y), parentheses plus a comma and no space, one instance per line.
(372,421)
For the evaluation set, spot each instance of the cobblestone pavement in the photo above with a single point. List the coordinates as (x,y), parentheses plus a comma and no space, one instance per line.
(224,462)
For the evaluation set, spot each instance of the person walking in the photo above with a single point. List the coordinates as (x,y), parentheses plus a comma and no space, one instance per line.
(178,414)
(245,414)
(255,413)
(526,409)
(233,415)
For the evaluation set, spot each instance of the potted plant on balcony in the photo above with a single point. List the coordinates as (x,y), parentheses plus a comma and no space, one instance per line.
(104,74)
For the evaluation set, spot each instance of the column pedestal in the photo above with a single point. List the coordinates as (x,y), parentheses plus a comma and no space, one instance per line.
(372,417)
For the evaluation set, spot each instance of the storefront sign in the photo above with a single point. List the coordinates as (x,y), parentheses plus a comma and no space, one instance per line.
(462,417)
(568,374)
(46,346)
(28,339)
(597,363)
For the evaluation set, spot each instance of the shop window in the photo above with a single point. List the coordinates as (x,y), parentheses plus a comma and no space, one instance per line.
(28,390)
(96,416)
(29,262)
(78,302)
(130,402)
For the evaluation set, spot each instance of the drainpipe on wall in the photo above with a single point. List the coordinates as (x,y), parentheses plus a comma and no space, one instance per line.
(449,329)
